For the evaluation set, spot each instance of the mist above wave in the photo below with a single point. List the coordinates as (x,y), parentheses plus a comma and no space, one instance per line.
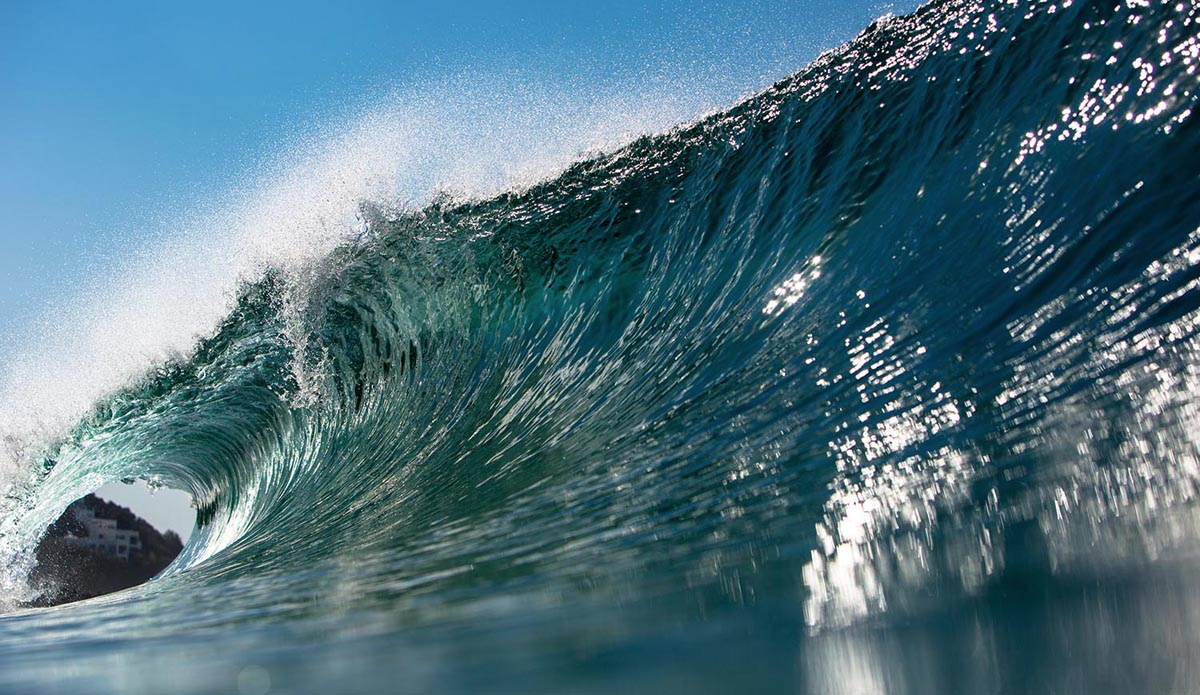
(465,138)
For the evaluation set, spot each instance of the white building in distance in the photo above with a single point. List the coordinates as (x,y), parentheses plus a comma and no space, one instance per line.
(104,536)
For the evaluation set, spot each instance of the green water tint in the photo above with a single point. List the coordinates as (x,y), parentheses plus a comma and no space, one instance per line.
(881,381)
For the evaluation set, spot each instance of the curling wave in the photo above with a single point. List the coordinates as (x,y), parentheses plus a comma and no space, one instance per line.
(910,338)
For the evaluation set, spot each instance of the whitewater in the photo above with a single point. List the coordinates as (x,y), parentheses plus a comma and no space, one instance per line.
(882,380)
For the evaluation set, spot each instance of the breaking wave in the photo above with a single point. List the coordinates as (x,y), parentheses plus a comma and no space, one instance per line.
(823,389)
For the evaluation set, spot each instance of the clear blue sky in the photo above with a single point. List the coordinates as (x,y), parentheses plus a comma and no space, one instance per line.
(117,116)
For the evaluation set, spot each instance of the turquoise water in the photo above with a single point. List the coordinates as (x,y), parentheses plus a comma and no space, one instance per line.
(880,381)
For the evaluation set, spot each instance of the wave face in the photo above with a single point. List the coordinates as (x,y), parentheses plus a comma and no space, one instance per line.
(883,380)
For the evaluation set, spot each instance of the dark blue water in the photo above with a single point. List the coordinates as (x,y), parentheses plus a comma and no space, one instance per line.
(883,380)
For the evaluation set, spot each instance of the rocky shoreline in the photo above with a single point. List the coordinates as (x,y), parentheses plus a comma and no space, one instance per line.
(68,570)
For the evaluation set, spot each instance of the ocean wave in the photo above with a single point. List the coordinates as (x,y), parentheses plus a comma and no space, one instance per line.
(910,335)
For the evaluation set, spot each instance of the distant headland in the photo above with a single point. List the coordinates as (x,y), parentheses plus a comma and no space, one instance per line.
(95,548)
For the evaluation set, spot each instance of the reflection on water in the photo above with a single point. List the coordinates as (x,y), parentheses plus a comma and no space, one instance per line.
(1031,633)
(883,381)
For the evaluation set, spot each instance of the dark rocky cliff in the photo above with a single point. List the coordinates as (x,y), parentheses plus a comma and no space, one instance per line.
(68,571)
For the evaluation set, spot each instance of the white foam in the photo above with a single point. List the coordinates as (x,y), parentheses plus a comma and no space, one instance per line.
(469,137)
